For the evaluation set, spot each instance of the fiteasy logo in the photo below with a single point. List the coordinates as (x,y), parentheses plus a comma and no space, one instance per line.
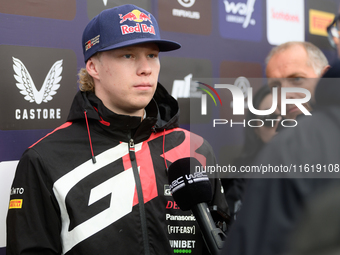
(138,17)
(238,97)
(27,88)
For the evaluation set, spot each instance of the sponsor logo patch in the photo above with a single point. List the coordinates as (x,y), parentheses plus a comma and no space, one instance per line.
(92,42)
(318,22)
(196,15)
(15,204)
(320,15)
(136,16)
(26,85)
(38,87)
(285,23)
(240,19)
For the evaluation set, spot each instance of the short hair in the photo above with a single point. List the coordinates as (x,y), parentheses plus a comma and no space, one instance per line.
(316,59)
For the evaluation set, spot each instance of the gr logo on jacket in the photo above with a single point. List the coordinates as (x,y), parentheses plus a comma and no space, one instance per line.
(98,184)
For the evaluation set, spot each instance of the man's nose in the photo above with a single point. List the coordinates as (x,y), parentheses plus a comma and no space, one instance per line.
(144,67)
(286,84)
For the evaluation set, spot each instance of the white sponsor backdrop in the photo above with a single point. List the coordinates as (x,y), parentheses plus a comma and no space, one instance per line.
(285,23)
(7,170)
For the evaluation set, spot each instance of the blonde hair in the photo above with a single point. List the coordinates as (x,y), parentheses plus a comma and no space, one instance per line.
(86,82)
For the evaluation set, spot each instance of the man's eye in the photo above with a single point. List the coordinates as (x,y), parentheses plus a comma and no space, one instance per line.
(127,56)
(296,80)
(152,55)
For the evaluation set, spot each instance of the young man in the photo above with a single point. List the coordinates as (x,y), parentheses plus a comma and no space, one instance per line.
(98,184)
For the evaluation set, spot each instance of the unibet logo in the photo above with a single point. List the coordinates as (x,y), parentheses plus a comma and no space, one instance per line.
(27,87)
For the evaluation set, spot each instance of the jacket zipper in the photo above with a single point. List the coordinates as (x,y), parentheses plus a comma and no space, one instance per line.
(140,196)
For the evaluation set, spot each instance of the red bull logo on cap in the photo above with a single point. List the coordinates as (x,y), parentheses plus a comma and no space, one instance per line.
(136,16)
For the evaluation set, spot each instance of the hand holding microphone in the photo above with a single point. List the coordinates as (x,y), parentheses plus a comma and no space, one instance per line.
(192,191)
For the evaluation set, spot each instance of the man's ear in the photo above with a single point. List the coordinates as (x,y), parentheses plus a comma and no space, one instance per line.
(91,67)
(324,70)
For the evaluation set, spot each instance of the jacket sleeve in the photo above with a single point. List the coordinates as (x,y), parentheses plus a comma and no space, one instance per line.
(33,219)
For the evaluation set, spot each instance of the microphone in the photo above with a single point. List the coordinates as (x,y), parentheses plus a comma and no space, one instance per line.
(192,191)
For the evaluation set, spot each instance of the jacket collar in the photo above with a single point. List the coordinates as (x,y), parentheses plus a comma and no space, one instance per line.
(162,114)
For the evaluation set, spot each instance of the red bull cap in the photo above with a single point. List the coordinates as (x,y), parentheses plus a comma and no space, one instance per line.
(122,26)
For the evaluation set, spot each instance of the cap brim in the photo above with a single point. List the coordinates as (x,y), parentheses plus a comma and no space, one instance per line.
(164,45)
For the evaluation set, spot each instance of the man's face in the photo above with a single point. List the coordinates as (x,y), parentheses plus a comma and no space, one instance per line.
(126,78)
(290,68)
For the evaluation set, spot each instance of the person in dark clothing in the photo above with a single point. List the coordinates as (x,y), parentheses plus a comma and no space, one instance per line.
(98,184)
(318,231)
(254,140)
(273,207)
